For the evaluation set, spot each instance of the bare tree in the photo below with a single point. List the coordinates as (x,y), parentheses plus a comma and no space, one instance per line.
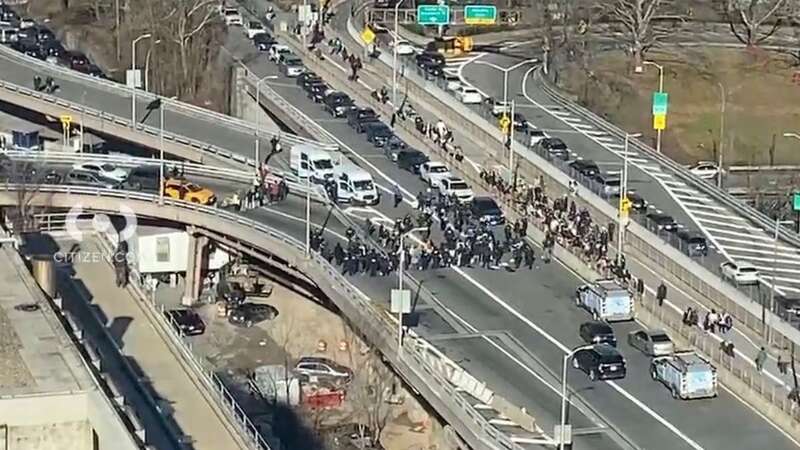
(369,393)
(187,19)
(28,178)
(755,21)
(640,22)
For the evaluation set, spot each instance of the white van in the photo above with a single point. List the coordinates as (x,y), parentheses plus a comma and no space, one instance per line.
(606,300)
(306,160)
(687,375)
(354,185)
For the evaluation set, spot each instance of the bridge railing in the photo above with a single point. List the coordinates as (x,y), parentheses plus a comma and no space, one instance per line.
(113,88)
(412,362)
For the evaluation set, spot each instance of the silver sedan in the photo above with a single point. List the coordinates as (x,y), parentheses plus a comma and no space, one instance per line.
(651,342)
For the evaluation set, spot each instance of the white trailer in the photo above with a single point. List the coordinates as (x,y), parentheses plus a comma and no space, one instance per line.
(164,250)
(687,375)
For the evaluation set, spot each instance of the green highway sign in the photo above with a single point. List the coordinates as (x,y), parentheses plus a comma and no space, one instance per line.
(433,15)
(660,100)
(480,14)
(796,202)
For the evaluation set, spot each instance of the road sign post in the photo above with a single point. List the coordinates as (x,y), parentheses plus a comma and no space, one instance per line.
(433,15)
(480,14)
(660,102)
(659,121)
(505,124)
(368,36)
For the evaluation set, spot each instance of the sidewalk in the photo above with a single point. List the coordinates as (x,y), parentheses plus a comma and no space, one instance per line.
(746,345)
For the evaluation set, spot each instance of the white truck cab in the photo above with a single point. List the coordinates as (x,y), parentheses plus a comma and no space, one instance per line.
(354,185)
(686,374)
(306,160)
(606,300)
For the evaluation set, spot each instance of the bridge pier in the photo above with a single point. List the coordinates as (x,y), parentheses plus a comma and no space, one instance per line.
(243,104)
(196,264)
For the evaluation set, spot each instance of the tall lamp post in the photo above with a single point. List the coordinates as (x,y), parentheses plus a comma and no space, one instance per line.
(161,108)
(394,54)
(563,422)
(623,193)
(133,74)
(400,285)
(660,90)
(258,120)
(147,65)
(506,71)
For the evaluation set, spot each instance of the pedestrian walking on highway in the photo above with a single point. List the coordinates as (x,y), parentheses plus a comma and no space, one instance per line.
(761,358)
(661,294)
(640,288)
(398,195)
(783,364)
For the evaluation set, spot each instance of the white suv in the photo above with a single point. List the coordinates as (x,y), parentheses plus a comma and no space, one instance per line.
(457,187)
(312,366)
(232,17)
(433,172)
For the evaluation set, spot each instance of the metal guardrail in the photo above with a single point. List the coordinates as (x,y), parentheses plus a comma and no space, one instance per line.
(123,91)
(69,158)
(411,357)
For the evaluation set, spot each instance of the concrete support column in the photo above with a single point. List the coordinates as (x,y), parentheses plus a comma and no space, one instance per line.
(238,92)
(196,262)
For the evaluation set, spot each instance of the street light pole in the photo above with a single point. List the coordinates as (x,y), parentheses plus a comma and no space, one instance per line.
(258,121)
(161,154)
(133,74)
(563,422)
(394,54)
(724,101)
(660,90)
(308,215)
(83,109)
(400,285)
(147,65)
(623,193)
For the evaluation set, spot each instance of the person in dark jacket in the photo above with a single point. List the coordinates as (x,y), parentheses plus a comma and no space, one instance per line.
(661,294)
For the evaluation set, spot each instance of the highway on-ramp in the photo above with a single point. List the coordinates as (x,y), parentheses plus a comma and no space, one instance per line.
(534,312)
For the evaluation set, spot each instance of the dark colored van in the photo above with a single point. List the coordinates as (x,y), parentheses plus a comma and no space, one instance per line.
(693,244)
(143,178)
(597,332)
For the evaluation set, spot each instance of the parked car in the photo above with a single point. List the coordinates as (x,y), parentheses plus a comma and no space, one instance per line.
(292,66)
(44,36)
(306,78)
(359,117)
(432,69)
(600,362)
(232,17)
(338,104)
(663,222)
(253,29)
(86,178)
(248,314)
(520,122)
(312,366)
(597,332)
(429,58)
(263,42)
(497,107)
(103,169)
(411,160)
(609,184)
(143,178)
(740,273)
(651,342)
(404,47)
(186,321)
(52,177)
(534,136)
(433,172)
(693,243)
(638,203)
(378,133)
(452,82)
(585,167)
(276,51)
(555,148)
(487,209)
(705,170)
(189,192)
(468,95)
(76,60)
(457,187)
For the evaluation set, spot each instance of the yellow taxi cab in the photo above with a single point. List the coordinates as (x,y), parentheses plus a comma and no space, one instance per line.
(189,192)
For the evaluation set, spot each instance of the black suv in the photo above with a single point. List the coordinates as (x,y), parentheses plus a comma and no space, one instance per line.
(358,118)
(263,42)
(248,314)
(316,92)
(585,167)
(693,244)
(378,133)
(555,148)
(601,362)
(338,104)
(663,222)
(186,321)
(488,208)
(411,159)
(430,59)
(307,77)
(597,332)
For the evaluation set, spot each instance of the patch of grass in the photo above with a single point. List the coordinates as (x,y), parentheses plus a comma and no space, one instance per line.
(761,101)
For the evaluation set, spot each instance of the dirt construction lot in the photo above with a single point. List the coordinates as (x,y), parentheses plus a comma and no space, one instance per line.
(762,91)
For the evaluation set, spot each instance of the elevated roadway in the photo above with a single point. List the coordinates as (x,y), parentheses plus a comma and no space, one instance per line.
(535,311)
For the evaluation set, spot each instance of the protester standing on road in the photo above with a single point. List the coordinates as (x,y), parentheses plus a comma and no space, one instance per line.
(398,195)
(661,294)
(761,358)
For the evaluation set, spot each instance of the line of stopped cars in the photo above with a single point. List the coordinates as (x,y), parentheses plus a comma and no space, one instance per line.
(686,374)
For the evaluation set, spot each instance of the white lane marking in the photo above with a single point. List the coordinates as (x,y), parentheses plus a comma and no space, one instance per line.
(615,146)
(702,205)
(659,175)
(770,245)
(742,226)
(637,160)
(584,126)
(720,216)
(747,236)
(566,349)
(600,134)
